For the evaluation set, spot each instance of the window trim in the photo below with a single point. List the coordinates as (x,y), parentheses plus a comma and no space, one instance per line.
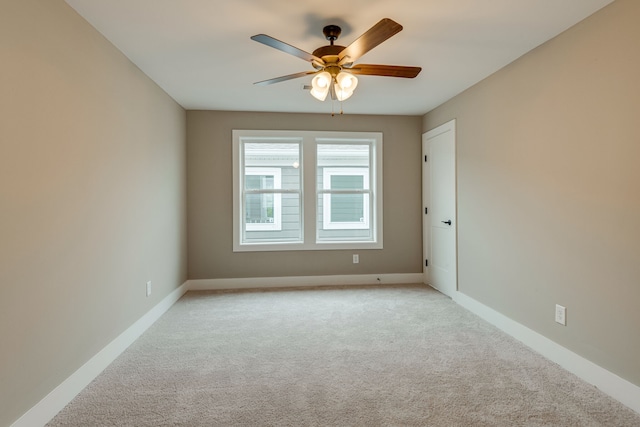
(309,192)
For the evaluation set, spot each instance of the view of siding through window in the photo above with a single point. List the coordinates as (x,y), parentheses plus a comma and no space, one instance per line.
(344,211)
(263,211)
(272,196)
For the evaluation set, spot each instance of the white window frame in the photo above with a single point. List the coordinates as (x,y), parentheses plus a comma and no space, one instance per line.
(327,173)
(309,191)
(276,225)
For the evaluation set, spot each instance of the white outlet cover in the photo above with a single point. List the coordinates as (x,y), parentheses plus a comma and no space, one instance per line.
(561,315)
(356,258)
(148,288)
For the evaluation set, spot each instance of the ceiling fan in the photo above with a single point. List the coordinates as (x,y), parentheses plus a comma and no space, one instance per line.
(335,70)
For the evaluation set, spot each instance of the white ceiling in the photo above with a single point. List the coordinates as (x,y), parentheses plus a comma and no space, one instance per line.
(200,53)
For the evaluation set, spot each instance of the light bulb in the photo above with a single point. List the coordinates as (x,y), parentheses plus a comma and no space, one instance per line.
(322,82)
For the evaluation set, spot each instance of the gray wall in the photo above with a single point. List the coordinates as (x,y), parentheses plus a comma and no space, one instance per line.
(92,197)
(210,198)
(549,188)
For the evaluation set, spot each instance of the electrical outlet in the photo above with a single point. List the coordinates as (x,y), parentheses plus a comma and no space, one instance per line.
(148,288)
(561,315)
(356,258)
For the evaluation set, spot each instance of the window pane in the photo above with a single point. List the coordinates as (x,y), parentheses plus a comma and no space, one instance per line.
(290,225)
(259,182)
(346,226)
(260,209)
(284,156)
(272,216)
(343,155)
(347,182)
(347,208)
(343,210)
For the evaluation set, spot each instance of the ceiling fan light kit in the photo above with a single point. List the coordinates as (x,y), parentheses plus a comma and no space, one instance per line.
(334,65)
(343,84)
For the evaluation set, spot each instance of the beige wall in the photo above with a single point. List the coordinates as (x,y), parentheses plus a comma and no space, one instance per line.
(549,188)
(92,197)
(210,210)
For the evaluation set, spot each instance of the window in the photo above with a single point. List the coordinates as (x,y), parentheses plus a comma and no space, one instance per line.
(302,190)
(270,192)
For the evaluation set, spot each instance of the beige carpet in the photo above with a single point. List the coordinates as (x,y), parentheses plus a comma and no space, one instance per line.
(370,356)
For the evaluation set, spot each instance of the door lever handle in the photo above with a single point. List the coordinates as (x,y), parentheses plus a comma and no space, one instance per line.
(448,222)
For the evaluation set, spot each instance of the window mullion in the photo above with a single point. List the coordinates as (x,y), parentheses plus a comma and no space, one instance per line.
(309,186)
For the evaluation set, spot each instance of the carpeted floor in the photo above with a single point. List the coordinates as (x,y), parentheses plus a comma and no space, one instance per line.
(359,356)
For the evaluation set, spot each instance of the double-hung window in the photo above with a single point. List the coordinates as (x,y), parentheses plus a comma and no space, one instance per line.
(269,201)
(303,190)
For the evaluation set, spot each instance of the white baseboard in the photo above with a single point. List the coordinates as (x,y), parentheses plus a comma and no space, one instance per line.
(611,384)
(55,401)
(303,281)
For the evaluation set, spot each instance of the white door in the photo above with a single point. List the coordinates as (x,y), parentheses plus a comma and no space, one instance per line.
(439,196)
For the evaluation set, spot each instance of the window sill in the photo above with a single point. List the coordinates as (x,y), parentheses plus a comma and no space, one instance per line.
(320,246)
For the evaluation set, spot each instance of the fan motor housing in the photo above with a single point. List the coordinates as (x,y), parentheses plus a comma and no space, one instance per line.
(329,54)
(331,50)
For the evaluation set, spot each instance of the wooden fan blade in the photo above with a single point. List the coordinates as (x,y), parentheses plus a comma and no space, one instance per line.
(384,70)
(284,78)
(287,48)
(372,38)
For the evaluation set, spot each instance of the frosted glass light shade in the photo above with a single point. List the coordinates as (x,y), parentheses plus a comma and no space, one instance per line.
(320,85)
(346,81)
(345,85)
